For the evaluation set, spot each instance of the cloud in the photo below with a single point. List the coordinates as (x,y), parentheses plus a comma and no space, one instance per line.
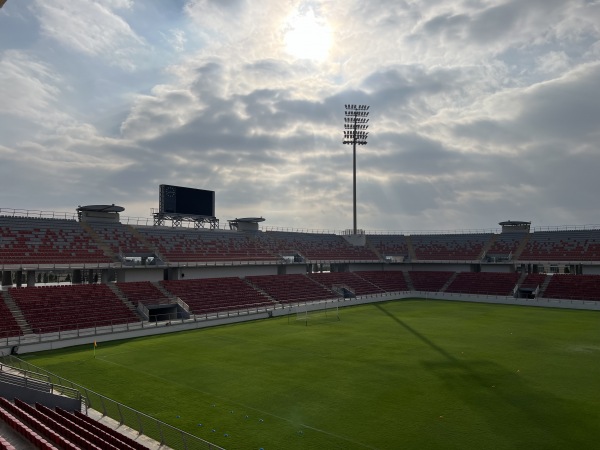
(481,111)
(91,28)
(29,90)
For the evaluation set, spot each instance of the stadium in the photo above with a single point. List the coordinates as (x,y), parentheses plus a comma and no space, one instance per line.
(92,281)
(473,327)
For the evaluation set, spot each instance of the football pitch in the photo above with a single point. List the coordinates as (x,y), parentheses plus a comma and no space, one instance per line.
(409,374)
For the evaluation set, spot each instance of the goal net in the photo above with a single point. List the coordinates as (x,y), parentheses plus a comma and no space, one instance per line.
(327,313)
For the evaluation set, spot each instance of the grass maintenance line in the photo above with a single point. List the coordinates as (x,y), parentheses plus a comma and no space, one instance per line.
(234,402)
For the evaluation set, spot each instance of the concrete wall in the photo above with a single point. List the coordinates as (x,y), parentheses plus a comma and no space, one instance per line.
(457,267)
(591,270)
(394,267)
(11,391)
(295,269)
(497,268)
(193,273)
(539,302)
(365,267)
(141,274)
(149,329)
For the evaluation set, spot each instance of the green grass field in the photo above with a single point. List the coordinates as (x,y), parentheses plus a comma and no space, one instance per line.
(410,374)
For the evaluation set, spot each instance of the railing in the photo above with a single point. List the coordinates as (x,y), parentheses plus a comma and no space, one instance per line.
(183,305)
(26,373)
(429,232)
(8,339)
(143,310)
(28,383)
(301,230)
(31,213)
(59,333)
(567,227)
(121,264)
(36,381)
(13,212)
(165,434)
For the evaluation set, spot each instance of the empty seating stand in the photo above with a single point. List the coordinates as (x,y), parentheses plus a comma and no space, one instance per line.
(56,429)
(292,288)
(55,308)
(216,294)
(358,285)
(193,245)
(389,245)
(8,324)
(391,281)
(143,292)
(25,240)
(484,283)
(574,287)
(429,281)
(5,445)
(505,246)
(320,246)
(120,238)
(567,246)
(449,247)
(533,280)
(37,431)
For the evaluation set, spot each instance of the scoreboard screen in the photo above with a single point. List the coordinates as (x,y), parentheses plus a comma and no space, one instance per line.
(183,200)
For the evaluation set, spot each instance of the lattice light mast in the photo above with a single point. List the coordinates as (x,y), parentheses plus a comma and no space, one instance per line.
(355,133)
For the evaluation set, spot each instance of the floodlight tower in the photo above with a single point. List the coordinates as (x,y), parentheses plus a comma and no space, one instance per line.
(355,133)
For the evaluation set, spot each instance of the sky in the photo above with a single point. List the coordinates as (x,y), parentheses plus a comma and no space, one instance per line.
(480,110)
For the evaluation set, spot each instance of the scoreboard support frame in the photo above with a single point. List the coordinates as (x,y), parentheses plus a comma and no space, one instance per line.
(211,223)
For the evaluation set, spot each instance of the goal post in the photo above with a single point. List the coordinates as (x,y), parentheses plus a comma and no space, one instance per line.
(306,314)
(302,315)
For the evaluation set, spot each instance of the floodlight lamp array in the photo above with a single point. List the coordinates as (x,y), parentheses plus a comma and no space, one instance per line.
(355,124)
(357,134)
(356,113)
(356,127)
(357,107)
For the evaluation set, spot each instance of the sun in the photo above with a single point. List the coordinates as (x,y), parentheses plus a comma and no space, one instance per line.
(307,37)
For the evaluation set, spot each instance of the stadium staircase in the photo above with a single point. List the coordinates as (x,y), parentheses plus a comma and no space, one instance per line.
(16,313)
(411,250)
(168,295)
(374,250)
(521,247)
(259,289)
(544,285)
(409,282)
(124,299)
(343,290)
(449,282)
(145,241)
(99,241)
(520,281)
(487,246)
(370,283)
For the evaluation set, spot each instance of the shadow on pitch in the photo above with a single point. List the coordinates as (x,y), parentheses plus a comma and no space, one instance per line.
(491,389)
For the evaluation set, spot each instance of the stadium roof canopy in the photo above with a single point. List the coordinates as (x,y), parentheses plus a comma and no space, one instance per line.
(245,223)
(248,219)
(101,208)
(515,225)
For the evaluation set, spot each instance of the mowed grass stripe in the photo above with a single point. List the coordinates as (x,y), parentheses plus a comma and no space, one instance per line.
(404,374)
